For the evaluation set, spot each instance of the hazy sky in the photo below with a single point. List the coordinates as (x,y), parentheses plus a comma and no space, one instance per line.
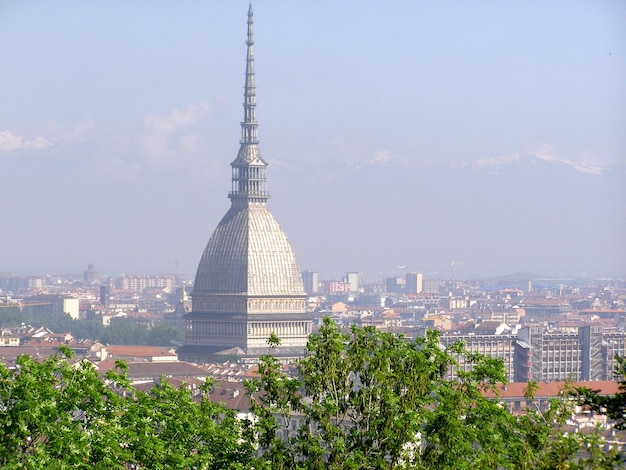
(118,121)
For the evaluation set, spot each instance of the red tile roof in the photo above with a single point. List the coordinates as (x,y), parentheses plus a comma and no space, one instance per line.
(553,389)
(154,370)
(124,350)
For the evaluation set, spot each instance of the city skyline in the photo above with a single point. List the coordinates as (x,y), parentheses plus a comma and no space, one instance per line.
(414,135)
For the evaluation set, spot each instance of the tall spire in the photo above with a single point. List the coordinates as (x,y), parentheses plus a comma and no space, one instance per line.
(249,174)
(249,125)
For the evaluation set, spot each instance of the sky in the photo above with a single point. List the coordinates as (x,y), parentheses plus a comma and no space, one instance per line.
(401,135)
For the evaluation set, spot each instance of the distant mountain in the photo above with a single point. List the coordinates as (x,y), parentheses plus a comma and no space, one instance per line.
(541,163)
(501,215)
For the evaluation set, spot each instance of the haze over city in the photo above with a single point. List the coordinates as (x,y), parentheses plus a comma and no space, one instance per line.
(403,137)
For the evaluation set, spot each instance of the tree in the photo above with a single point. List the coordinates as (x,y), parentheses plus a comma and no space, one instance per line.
(163,334)
(165,428)
(371,400)
(541,428)
(10,316)
(362,399)
(613,406)
(120,330)
(54,414)
(132,331)
(90,328)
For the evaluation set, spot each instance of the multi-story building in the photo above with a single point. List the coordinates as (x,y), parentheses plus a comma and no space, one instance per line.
(510,317)
(562,356)
(455,303)
(310,282)
(248,285)
(613,344)
(55,304)
(548,356)
(91,276)
(105,295)
(433,286)
(352,279)
(142,283)
(494,346)
(394,285)
(19,284)
(545,307)
(335,287)
(413,283)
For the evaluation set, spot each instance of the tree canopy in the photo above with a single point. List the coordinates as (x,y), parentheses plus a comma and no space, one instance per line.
(366,399)
(361,399)
(119,331)
(614,406)
(54,414)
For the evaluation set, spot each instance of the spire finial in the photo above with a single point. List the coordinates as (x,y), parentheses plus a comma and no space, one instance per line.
(249,124)
(249,169)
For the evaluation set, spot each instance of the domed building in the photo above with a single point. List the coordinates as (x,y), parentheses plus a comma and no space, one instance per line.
(248,284)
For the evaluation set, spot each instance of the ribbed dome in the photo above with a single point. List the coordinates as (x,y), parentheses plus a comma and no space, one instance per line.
(248,254)
(248,285)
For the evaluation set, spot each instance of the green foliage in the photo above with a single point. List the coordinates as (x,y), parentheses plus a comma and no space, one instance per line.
(120,331)
(10,316)
(361,399)
(366,399)
(597,457)
(541,428)
(613,406)
(171,431)
(57,415)
(131,331)
(58,322)
(52,413)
